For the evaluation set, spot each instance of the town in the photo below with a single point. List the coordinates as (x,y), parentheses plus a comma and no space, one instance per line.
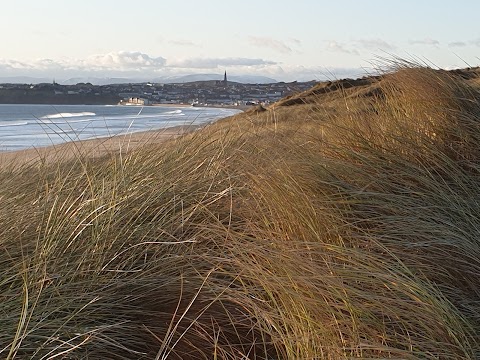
(197,93)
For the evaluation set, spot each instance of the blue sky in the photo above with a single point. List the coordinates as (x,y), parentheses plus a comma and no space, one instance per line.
(285,40)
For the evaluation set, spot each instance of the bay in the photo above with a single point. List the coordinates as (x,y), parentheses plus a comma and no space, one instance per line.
(28,126)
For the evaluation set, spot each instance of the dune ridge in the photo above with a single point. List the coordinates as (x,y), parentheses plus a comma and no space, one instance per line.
(341,223)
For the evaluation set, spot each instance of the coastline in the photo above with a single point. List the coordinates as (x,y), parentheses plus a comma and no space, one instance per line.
(104,144)
(240,107)
(96,147)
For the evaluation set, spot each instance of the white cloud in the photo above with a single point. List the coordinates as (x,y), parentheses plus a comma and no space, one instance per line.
(137,65)
(181,42)
(426,41)
(123,60)
(266,42)
(125,63)
(304,73)
(457,44)
(35,65)
(476,42)
(14,64)
(335,46)
(295,41)
(212,63)
(375,44)
(114,63)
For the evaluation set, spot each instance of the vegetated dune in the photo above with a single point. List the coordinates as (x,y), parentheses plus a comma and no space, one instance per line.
(346,225)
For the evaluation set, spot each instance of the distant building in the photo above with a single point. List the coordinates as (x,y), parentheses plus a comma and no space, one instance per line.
(222,83)
(135,101)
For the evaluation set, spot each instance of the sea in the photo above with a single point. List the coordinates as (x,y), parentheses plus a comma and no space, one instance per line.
(29,126)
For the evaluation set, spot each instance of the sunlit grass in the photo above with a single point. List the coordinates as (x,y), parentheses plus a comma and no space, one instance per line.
(347,228)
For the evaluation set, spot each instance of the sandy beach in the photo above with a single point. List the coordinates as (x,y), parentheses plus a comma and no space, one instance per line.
(94,147)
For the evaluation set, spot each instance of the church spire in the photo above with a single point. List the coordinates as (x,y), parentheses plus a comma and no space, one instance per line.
(225,78)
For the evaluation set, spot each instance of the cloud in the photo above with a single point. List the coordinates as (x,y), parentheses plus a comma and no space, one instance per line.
(476,42)
(457,44)
(181,42)
(295,41)
(212,63)
(27,66)
(375,44)
(307,73)
(123,60)
(138,65)
(335,46)
(265,42)
(426,41)
(128,62)
(14,64)
(114,62)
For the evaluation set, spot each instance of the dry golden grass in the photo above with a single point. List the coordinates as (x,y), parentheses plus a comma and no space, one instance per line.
(345,228)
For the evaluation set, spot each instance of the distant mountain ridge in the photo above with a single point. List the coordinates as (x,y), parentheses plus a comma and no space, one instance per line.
(24,80)
(98,81)
(245,79)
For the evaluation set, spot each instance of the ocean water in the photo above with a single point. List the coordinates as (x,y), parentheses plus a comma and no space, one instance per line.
(27,126)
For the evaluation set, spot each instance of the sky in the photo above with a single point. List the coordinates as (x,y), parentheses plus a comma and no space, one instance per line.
(285,40)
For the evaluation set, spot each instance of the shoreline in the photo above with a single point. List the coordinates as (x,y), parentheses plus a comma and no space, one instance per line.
(95,147)
(233,107)
(102,145)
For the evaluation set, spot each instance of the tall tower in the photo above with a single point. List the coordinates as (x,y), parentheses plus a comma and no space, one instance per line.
(225,79)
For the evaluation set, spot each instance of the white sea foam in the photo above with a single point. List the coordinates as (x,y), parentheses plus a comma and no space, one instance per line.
(13,123)
(173,112)
(25,129)
(169,115)
(68,115)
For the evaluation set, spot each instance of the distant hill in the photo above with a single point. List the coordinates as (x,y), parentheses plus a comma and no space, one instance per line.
(244,79)
(24,80)
(365,87)
(71,81)
(99,81)
(252,79)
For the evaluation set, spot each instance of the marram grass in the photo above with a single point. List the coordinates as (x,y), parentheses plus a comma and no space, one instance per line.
(344,229)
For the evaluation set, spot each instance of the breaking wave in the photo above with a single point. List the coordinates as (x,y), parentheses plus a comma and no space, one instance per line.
(68,115)
(13,123)
(173,112)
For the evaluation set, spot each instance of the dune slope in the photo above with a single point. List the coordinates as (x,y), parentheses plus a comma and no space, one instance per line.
(344,225)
